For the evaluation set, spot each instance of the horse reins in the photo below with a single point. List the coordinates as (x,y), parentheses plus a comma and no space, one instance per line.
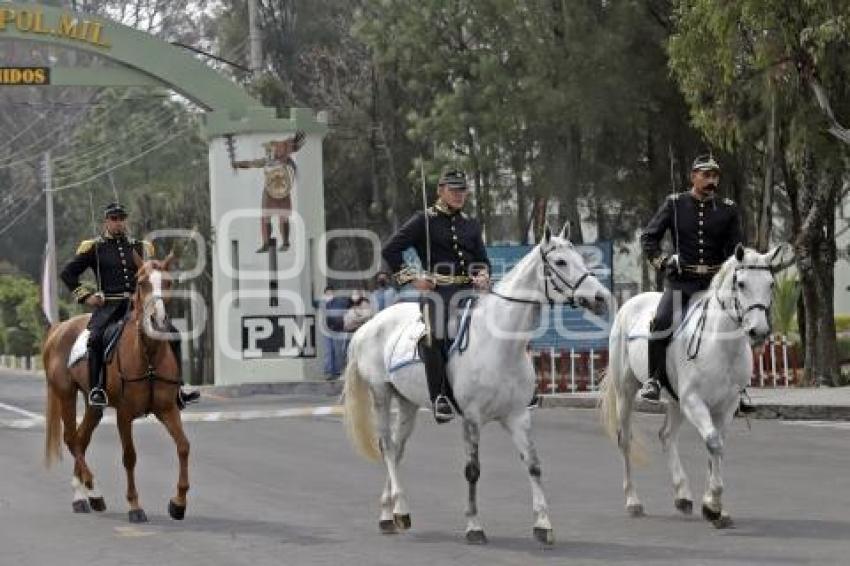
(150,374)
(549,273)
(696,338)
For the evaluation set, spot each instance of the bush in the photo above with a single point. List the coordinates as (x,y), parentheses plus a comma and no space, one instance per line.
(842,323)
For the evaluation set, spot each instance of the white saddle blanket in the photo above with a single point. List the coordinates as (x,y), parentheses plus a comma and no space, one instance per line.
(402,350)
(80,348)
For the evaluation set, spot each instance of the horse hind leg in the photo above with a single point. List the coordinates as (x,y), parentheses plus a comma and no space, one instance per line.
(626,441)
(392,498)
(80,502)
(683,500)
(91,418)
(405,420)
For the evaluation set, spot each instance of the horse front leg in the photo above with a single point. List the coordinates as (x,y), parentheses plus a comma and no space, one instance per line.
(683,500)
(171,420)
(519,426)
(697,412)
(125,432)
(472,471)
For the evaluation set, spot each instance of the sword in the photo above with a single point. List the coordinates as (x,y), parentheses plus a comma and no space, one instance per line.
(426,306)
(96,252)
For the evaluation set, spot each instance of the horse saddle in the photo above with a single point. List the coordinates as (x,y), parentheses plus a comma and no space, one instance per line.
(110,337)
(402,347)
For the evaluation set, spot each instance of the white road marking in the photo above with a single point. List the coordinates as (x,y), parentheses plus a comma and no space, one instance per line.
(36,420)
(20,411)
(841,425)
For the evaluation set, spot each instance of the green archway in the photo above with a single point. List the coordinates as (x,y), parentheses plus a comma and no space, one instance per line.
(146,61)
(264,296)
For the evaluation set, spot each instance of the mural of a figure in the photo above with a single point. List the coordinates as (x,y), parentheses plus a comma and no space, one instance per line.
(279,170)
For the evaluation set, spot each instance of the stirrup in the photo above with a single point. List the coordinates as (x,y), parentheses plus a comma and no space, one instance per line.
(443,409)
(98,398)
(745,404)
(651,391)
(185,398)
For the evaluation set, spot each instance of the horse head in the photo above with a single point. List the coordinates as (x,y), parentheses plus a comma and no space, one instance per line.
(153,283)
(566,277)
(751,289)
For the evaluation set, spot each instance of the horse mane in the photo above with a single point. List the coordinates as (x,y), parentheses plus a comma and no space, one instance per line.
(728,266)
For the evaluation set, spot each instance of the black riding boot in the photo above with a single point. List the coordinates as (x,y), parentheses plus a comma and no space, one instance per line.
(435,370)
(651,390)
(97,396)
(183,398)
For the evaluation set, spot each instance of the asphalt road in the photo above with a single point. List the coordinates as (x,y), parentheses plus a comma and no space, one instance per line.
(278,487)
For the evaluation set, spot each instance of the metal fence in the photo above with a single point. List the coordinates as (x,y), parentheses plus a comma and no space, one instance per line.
(561,370)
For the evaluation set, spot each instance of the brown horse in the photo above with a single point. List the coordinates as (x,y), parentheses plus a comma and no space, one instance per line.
(141,378)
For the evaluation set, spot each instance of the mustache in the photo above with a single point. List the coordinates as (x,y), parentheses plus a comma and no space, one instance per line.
(710,187)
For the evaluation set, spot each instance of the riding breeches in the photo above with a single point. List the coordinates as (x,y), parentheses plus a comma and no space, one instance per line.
(101,318)
(669,314)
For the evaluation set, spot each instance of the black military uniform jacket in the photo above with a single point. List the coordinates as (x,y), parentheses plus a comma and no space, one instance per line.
(113,258)
(457,248)
(704,233)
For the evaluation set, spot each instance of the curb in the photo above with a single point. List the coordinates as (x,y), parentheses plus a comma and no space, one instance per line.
(763,410)
(326,388)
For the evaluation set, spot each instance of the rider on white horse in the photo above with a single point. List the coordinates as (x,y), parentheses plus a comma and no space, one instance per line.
(454,260)
(705,230)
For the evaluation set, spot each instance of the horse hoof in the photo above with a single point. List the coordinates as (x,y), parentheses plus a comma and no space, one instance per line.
(710,514)
(97,504)
(635,510)
(138,516)
(402,521)
(387,526)
(476,537)
(544,536)
(81,506)
(724,522)
(176,511)
(685,506)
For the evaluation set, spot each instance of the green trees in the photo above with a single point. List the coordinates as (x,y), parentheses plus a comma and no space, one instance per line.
(21,326)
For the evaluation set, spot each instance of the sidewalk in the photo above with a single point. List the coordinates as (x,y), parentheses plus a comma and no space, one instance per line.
(819,404)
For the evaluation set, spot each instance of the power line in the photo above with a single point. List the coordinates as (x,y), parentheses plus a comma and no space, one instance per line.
(123,163)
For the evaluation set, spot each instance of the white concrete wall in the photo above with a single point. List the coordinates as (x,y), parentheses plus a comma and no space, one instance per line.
(236,210)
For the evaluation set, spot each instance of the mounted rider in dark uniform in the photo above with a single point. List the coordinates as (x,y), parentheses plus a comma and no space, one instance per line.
(705,230)
(110,257)
(458,263)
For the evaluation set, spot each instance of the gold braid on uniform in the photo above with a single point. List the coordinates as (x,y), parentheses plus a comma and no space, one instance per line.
(408,274)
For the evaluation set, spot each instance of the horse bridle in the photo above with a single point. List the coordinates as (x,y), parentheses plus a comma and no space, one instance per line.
(739,310)
(551,277)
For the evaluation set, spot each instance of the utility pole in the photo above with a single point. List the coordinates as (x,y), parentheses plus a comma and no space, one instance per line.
(53,303)
(254,36)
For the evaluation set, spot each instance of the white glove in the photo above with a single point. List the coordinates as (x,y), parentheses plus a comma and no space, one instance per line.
(672,263)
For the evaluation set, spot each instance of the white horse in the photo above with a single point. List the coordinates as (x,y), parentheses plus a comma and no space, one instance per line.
(709,362)
(493,378)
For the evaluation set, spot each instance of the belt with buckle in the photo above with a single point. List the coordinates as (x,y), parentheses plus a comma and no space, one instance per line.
(117,296)
(701,269)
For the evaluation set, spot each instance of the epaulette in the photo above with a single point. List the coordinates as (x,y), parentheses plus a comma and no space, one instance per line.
(432,211)
(728,202)
(86,245)
(148,249)
(673,196)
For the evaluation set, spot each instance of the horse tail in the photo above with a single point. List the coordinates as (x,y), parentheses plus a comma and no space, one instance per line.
(358,409)
(610,402)
(52,428)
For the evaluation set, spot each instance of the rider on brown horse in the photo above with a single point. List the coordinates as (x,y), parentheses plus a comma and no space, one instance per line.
(110,257)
